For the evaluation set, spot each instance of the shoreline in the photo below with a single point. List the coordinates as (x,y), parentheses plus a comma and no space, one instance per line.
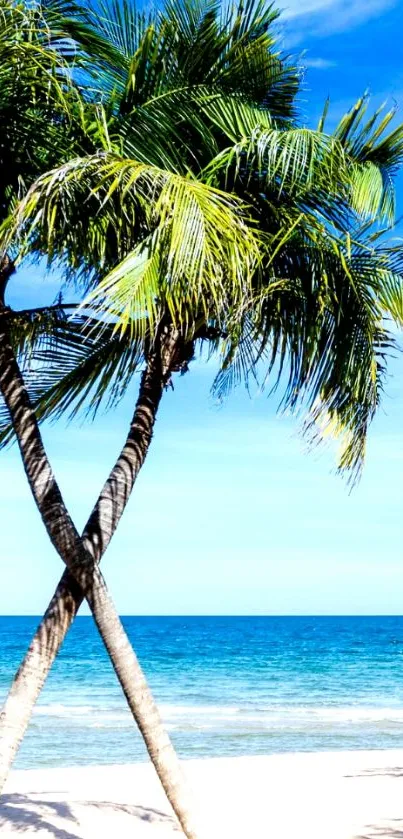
(300,795)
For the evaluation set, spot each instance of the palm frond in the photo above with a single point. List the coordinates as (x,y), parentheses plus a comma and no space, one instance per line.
(184,188)
(198,260)
(319,330)
(37,99)
(191,248)
(376,155)
(70,365)
(291,161)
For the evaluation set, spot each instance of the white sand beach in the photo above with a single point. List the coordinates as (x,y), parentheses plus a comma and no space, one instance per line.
(337,795)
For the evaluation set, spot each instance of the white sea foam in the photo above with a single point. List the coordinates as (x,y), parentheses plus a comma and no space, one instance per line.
(56,709)
(86,711)
(207,716)
(200,710)
(326,712)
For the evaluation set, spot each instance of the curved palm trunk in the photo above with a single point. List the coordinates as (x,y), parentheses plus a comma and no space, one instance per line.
(68,596)
(80,562)
(67,599)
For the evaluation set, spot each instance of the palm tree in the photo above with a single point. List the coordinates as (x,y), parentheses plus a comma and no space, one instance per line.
(167,292)
(215,210)
(68,597)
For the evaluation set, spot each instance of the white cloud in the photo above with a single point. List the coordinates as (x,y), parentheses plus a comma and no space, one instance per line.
(318,63)
(294,8)
(327,16)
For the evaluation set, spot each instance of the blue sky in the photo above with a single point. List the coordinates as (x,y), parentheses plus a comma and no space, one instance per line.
(231,515)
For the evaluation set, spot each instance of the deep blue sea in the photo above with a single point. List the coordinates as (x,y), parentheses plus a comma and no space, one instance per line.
(226,686)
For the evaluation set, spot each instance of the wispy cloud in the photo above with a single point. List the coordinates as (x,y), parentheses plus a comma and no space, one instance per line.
(318,63)
(327,16)
(294,8)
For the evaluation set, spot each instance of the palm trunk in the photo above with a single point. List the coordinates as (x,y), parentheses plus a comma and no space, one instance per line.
(67,599)
(80,562)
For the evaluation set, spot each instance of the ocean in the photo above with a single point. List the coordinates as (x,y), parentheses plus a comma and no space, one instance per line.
(226,686)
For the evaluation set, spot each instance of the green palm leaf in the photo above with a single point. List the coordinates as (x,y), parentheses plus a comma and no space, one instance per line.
(194,195)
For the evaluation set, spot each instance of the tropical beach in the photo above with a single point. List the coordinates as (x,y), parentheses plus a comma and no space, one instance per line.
(201,392)
(343,795)
(292,738)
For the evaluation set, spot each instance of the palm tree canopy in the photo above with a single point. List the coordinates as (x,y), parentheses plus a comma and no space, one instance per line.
(201,197)
(45,49)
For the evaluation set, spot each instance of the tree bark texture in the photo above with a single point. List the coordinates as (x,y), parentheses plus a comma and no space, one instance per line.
(81,557)
(67,599)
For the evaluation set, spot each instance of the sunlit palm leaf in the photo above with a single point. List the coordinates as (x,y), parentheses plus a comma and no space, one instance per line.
(192,246)
(196,93)
(377,156)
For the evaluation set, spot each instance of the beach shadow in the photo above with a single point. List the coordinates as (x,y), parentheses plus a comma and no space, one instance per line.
(146,814)
(23,811)
(388,831)
(389,771)
(19,811)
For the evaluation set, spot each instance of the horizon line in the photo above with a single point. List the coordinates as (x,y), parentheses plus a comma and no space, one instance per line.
(203,615)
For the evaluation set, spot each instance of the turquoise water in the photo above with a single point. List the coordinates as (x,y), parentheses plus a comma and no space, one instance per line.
(226,686)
